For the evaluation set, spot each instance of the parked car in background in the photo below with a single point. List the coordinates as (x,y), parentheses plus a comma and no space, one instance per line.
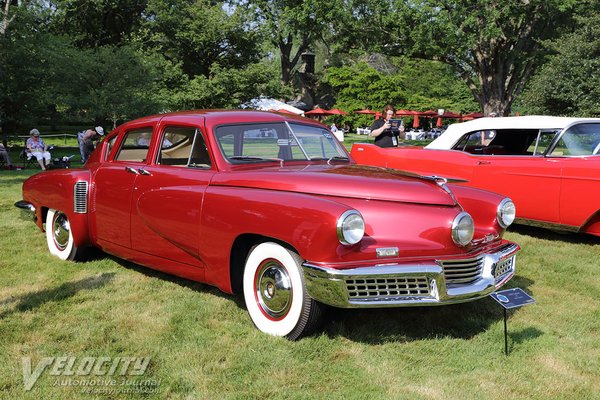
(549,166)
(272,205)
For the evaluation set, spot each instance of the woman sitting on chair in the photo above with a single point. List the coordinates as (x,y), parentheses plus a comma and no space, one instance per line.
(38,149)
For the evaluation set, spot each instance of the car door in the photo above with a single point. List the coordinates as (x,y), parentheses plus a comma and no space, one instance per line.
(577,150)
(166,202)
(530,179)
(113,185)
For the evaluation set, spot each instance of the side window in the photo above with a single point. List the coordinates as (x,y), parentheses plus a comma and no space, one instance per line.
(579,140)
(109,146)
(183,147)
(475,141)
(135,145)
(541,143)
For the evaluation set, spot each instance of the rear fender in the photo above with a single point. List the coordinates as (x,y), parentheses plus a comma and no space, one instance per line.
(592,225)
(56,190)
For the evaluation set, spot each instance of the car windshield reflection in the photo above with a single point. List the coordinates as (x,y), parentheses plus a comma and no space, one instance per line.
(277,142)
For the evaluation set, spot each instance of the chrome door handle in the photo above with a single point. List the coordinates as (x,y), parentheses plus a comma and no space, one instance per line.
(484,162)
(142,171)
(131,170)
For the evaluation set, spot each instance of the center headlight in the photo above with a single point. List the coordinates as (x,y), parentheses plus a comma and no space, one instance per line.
(463,229)
(350,227)
(506,213)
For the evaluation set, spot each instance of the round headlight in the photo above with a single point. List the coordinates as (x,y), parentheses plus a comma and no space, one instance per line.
(506,213)
(350,227)
(463,229)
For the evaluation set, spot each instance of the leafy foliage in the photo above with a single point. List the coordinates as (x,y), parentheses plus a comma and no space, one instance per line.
(198,33)
(494,46)
(99,22)
(569,83)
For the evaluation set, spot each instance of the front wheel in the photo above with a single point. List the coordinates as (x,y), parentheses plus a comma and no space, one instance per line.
(275,293)
(60,237)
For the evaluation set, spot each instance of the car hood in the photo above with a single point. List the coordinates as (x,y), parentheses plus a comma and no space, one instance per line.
(354,181)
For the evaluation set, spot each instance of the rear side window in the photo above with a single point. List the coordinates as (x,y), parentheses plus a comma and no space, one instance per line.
(135,145)
(183,147)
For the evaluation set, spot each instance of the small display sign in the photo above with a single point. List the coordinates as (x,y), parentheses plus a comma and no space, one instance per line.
(395,124)
(512,298)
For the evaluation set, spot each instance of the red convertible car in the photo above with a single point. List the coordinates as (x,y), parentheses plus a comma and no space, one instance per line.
(273,206)
(549,166)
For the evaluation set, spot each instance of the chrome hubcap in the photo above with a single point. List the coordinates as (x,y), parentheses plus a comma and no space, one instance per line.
(273,289)
(61,229)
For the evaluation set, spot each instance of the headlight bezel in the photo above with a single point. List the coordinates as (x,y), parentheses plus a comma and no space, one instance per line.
(455,227)
(500,212)
(342,223)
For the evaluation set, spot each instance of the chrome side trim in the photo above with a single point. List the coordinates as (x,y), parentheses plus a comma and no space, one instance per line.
(27,210)
(80,193)
(548,225)
(410,284)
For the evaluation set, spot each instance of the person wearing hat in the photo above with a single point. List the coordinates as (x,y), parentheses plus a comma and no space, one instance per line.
(36,146)
(86,141)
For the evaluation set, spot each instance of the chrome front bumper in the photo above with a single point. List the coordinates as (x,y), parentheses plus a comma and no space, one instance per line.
(414,284)
(27,210)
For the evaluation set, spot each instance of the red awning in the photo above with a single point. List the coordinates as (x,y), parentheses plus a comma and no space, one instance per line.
(317,112)
(365,111)
(337,111)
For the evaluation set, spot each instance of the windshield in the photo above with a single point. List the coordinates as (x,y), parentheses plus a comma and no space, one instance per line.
(579,140)
(249,143)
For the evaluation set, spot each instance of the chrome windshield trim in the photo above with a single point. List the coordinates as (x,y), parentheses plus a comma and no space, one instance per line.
(297,141)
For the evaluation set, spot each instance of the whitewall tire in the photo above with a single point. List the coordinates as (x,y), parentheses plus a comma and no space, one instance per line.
(275,293)
(59,236)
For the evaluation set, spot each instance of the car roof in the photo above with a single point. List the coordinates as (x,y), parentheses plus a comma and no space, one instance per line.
(226,116)
(456,131)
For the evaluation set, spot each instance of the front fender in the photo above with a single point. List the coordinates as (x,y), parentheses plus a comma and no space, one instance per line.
(482,205)
(305,222)
(56,189)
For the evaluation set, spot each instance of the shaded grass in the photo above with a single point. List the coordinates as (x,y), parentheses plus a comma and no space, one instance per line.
(203,344)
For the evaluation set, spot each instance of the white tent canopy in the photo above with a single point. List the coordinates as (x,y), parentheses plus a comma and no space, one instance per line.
(264,103)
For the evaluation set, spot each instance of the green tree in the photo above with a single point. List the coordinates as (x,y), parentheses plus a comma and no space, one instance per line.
(493,45)
(97,23)
(228,87)
(293,26)
(197,34)
(569,83)
(27,53)
(108,83)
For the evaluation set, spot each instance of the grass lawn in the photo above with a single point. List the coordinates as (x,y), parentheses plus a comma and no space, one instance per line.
(203,345)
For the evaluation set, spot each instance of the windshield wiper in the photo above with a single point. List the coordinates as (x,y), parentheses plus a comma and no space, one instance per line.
(256,158)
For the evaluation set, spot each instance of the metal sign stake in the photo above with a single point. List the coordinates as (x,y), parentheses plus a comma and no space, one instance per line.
(511,298)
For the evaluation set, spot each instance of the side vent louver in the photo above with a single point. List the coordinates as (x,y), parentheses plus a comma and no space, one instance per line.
(80,197)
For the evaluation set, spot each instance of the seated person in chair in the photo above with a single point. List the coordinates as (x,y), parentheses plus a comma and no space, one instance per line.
(38,149)
(4,158)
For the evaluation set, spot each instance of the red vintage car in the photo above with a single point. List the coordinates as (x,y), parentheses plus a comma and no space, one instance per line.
(549,166)
(273,206)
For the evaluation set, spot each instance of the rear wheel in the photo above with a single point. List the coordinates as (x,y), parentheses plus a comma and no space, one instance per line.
(275,293)
(60,237)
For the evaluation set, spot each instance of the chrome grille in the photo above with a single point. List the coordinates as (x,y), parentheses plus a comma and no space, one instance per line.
(504,267)
(462,271)
(370,288)
(80,197)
